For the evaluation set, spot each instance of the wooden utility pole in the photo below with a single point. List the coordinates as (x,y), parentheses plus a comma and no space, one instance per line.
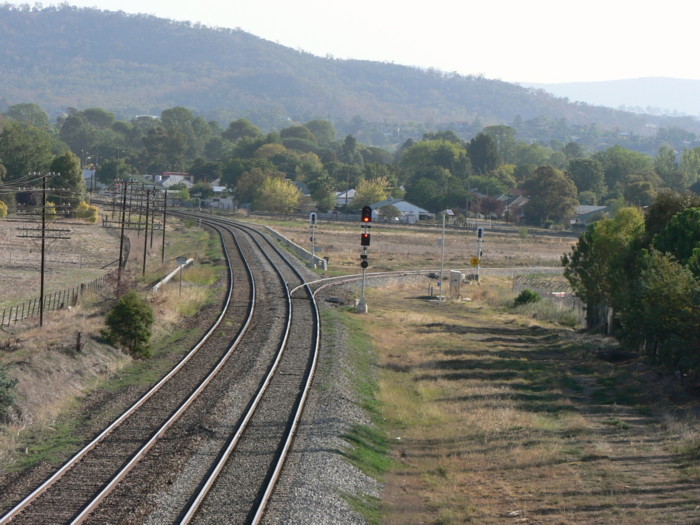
(145,233)
(121,239)
(165,209)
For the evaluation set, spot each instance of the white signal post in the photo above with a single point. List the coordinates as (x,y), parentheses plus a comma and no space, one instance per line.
(479,250)
(312,226)
(364,242)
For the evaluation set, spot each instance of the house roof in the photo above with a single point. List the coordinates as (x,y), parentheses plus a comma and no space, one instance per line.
(400,203)
(585,209)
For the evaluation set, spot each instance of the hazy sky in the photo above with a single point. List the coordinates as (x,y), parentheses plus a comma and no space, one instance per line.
(511,40)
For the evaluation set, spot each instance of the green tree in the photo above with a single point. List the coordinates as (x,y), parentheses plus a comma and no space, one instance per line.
(506,144)
(323,191)
(664,318)
(166,148)
(69,179)
(619,163)
(241,128)
(552,196)
(29,115)
(250,182)
(429,159)
(596,266)
(370,191)
(681,236)
(24,150)
(641,193)
(588,175)
(323,130)
(690,165)
(390,212)
(483,153)
(277,195)
(667,204)
(129,324)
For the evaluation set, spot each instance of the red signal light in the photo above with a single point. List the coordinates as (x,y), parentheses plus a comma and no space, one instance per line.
(367,214)
(364,239)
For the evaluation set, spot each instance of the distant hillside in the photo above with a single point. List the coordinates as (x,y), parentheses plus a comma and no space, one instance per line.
(658,96)
(61,57)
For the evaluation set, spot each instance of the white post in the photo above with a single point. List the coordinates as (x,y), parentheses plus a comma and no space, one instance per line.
(442,258)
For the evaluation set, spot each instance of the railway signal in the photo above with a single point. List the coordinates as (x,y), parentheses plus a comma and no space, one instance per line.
(312,225)
(476,260)
(366,218)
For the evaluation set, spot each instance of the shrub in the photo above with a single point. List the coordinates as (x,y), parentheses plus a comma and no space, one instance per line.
(3,210)
(129,323)
(87,212)
(527,297)
(7,398)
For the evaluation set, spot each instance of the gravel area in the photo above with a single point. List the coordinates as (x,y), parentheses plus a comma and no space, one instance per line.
(317,477)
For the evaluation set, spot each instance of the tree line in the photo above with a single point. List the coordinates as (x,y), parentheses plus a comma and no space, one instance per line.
(639,273)
(437,172)
(638,267)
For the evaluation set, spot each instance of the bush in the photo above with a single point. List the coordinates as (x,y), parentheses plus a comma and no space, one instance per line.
(87,212)
(7,398)
(129,323)
(527,297)
(3,210)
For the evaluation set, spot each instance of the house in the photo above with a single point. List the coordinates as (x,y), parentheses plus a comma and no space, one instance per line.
(343,198)
(410,213)
(515,209)
(169,178)
(585,214)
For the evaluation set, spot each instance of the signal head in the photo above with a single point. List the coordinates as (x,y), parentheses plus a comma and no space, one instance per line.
(367,214)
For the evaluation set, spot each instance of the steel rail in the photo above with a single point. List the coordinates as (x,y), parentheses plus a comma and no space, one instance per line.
(231,446)
(272,483)
(169,422)
(22,505)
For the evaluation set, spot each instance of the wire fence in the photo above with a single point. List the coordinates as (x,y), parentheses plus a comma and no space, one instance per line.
(52,302)
(57,300)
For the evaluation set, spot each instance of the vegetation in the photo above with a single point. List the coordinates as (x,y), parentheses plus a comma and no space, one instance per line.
(640,275)
(129,324)
(6,395)
(527,297)
(78,57)
(531,427)
(87,212)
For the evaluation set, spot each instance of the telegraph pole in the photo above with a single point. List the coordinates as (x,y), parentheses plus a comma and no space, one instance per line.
(121,239)
(43,250)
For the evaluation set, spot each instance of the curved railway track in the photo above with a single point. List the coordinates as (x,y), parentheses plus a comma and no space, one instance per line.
(207,442)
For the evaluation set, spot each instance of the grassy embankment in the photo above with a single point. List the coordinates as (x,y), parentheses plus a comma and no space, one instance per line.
(58,371)
(490,416)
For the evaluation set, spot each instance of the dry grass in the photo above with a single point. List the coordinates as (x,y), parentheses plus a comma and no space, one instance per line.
(79,259)
(53,367)
(54,371)
(495,418)
(406,247)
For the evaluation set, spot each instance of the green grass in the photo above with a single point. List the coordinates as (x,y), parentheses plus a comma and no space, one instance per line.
(53,446)
(368,445)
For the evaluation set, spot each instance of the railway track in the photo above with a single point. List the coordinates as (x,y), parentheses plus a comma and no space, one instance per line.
(207,443)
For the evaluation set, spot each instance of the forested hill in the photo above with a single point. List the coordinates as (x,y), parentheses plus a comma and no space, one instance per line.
(61,57)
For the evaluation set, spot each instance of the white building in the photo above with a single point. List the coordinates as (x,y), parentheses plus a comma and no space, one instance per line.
(410,213)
